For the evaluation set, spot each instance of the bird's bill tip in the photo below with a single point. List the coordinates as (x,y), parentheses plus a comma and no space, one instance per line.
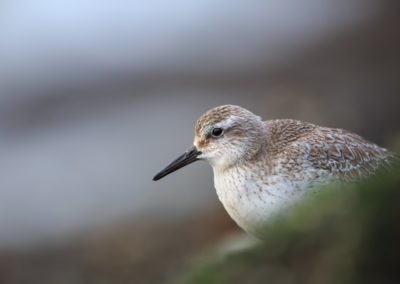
(185,159)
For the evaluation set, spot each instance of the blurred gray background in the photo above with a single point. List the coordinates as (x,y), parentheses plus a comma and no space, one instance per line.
(96,97)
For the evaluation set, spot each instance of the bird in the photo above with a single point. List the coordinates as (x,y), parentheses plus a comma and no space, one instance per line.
(262,168)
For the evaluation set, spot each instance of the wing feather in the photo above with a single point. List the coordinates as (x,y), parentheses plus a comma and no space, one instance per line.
(346,155)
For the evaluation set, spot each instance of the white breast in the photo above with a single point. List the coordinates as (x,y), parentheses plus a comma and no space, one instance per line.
(252,202)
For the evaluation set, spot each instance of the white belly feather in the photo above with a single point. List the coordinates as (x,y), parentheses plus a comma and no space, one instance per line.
(252,203)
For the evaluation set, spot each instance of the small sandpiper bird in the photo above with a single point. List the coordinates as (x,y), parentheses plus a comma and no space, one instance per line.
(261,167)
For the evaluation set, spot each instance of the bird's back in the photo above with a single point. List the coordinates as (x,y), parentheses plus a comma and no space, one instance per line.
(341,154)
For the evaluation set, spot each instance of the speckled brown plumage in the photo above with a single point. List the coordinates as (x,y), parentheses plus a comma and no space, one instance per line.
(344,154)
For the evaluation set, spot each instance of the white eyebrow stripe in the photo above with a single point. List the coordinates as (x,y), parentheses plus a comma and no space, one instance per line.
(229,122)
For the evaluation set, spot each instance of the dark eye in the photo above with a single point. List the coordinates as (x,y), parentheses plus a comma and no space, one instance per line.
(217,132)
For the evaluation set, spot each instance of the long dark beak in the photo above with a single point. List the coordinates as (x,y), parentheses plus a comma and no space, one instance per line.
(187,158)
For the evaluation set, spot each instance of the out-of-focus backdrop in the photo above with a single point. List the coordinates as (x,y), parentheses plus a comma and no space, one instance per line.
(97,96)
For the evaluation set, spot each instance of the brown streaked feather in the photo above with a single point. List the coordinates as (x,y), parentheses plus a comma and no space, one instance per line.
(346,155)
(282,132)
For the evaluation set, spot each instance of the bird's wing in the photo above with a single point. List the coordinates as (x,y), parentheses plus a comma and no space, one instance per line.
(346,155)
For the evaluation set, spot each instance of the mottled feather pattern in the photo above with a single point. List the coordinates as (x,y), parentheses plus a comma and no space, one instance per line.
(346,156)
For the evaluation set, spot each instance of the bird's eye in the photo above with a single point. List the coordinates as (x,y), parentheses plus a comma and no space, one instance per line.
(217,132)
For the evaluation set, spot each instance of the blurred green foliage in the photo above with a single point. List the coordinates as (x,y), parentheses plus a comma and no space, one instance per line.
(343,235)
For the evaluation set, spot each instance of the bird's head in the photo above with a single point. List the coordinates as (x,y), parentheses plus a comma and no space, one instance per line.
(224,136)
(228,134)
